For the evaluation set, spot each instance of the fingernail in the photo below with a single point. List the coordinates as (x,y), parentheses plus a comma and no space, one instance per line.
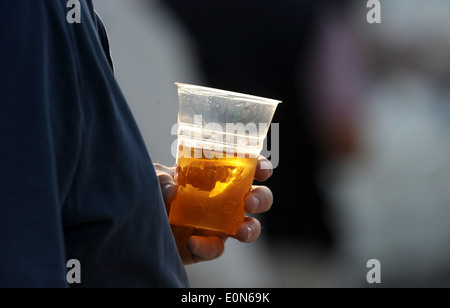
(194,245)
(256,203)
(266,165)
(166,187)
(250,232)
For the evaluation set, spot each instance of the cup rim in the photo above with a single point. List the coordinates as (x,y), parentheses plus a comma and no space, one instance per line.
(252,98)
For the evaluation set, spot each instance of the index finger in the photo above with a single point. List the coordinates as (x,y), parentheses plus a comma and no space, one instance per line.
(160,169)
(264,169)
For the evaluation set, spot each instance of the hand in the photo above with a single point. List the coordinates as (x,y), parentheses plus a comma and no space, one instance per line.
(197,245)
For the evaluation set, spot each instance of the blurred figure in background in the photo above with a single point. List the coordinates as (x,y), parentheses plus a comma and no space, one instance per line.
(392,200)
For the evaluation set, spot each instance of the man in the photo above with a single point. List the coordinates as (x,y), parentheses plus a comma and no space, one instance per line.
(76,181)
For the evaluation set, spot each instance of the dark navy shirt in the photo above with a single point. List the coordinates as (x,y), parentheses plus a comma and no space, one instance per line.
(76,181)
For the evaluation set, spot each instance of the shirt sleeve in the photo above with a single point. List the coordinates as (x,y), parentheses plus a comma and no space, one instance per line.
(34,108)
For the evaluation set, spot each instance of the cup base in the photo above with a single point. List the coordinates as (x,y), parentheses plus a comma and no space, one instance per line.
(212,230)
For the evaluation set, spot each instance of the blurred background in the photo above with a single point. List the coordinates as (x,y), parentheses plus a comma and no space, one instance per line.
(364,170)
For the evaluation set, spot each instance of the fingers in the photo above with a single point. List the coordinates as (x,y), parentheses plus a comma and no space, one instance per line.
(249,231)
(264,169)
(164,169)
(259,201)
(206,248)
(168,189)
(167,183)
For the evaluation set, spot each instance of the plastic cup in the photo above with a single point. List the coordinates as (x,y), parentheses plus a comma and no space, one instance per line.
(220,136)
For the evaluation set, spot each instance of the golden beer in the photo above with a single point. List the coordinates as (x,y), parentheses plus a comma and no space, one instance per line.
(212,191)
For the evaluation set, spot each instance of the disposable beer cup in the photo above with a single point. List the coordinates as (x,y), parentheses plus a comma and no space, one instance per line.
(220,136)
